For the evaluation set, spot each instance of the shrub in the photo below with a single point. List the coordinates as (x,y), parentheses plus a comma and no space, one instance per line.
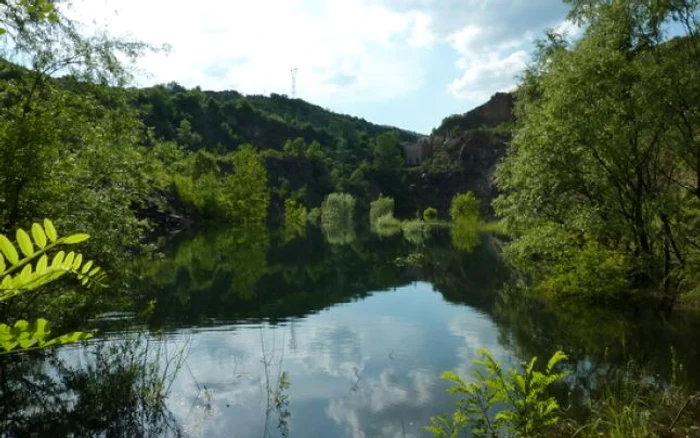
(465,233)
(314,215)
(336,218)
(383,206)
(337,208)
(387,226)
(295,216)
(430,214)
(464,205)
(500,402)
(414,231)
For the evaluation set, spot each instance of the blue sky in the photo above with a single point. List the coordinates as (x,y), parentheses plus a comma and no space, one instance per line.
(407,63)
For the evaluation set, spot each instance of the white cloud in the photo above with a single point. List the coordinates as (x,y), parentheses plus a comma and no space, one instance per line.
(350,53)
(483,75)
(253,45)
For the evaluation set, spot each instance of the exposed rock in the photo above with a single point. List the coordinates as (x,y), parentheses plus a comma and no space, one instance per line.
(476,140)
(499,109)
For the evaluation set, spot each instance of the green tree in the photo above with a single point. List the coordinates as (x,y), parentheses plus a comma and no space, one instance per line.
(248,186)
(381,207)
(337,218)
(387,153)
(604,156)
(464,206)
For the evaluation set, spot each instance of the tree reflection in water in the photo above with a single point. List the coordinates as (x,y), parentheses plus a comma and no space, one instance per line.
(111,388)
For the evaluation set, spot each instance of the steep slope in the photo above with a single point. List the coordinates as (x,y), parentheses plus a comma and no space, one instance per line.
(462,154)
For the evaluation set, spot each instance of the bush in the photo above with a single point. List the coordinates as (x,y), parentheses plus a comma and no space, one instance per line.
(387,226)
(336,218)
(295,217)
(314,215)
(498,402)
(383,206)
(464,206)
(464,235)
(430,214)
(414,231)
(337,208)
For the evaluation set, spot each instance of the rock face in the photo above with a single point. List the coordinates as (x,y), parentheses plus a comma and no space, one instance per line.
(414,153)
(499,109)
(470,146)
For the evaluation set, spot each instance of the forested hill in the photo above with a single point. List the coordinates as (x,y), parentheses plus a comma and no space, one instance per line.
(218,121)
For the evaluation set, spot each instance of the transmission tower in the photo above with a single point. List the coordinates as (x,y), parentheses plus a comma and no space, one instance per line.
(294,72)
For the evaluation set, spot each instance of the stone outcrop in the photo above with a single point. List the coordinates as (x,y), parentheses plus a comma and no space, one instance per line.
(475,141)
(497,110)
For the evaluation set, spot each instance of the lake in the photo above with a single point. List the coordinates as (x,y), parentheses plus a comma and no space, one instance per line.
(289,333)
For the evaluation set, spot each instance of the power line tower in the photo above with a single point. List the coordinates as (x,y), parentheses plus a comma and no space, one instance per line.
(294,73)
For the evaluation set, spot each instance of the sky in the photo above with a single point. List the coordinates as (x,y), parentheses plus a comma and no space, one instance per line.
(406,63)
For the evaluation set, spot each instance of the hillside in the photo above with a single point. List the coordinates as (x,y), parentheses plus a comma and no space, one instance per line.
(221,120)
(462,154)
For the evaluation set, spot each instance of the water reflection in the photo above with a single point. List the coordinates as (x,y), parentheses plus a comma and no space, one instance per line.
(362,369)
(304,338)
(112,388)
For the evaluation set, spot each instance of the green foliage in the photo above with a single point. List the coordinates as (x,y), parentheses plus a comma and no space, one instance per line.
(338,208)
(314,215)
(295,218)
(381,217)
(387,153)
(248,186)
(337,218)
(604,157)
(382,206)
(497,401)
(209,193)
(430,214)
(387,226)
(415,231)
(591,272)
(464,206)
(32,268)
(465,234)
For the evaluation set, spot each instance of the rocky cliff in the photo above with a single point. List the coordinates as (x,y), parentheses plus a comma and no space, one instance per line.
(462,154)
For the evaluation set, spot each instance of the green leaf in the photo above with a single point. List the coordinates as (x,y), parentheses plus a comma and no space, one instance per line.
(25,243)
(58,259)
(68,261)
(24,277)
(78,261)
(2,263)
(9,250)
(86,267)
(42,264)
(39,235)
(50,230)
(76,238)
(557,357)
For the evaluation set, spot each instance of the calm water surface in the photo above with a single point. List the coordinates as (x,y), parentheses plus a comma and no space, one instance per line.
(260,335)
